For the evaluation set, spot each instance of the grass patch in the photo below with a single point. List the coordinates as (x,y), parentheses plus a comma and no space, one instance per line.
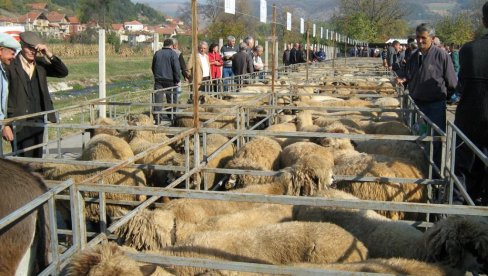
(85,69)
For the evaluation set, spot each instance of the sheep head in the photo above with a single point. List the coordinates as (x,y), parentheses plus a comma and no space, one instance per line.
(461,242)
(311,174)
(242,180)
(149,230)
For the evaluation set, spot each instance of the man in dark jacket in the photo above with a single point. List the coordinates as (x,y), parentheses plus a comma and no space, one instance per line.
(294,54)
(431,79)
(241,62)
(166,71)
(28,91)
(472,116)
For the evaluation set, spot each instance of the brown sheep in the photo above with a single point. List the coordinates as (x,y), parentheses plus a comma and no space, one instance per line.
(458,242)
(292,153)
(284,127)
(395,266)
(389,128)
(106,147)
(109,260)
(126,177)
(380,166)
(261,153)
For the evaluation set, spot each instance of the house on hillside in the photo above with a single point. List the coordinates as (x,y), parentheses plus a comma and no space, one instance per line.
(59,25)
(75,25)
(164,32)
(133,26)
(35,21)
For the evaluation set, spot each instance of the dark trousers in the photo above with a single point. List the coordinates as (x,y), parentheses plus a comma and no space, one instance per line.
(27,137)
(158,97)
(472,173)
(436,112)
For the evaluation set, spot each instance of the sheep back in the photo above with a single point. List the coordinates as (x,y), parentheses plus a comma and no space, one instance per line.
(106,147)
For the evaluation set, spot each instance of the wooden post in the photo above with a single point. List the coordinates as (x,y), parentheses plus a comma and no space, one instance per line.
(308,50)
(266,54)
(333,53)
(345,51)
(274,50)
(155,42)
(102,83)
(194,25)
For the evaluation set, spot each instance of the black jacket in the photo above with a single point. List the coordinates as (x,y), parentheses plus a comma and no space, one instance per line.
(166,65)
(472,111)
(17,97)
(242,63)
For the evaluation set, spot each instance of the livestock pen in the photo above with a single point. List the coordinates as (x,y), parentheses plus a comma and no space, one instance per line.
(257,106)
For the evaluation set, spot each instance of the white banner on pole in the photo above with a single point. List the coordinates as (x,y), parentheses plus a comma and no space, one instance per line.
(230,6)
(302,26)
(288,21)
(321,32)
(314,29)
(263,11)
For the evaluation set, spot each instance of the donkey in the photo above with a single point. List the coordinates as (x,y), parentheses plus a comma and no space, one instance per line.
(24,244)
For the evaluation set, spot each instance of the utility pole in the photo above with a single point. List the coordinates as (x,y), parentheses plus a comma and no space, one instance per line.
(194,25)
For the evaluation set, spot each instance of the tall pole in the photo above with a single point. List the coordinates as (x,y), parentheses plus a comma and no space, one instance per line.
(333,52)
(102,83)
(308,49)
(194,25)
(273,51)
(345,52)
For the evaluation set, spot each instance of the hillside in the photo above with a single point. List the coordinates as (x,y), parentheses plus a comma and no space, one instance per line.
(420,10)
(108,11)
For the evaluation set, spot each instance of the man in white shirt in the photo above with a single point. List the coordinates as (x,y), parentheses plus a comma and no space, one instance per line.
(257,61)
(201,70)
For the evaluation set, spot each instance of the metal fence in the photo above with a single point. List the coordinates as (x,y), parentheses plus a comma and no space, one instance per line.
(245,128)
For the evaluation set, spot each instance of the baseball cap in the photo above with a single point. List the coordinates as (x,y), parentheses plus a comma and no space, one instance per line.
(8,41)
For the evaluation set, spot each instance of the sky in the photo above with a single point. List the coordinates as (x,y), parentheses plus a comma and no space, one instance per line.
(169,7)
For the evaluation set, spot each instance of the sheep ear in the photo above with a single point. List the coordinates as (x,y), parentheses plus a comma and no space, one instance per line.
(147,270)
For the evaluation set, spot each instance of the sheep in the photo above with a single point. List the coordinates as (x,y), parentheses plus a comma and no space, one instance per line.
(458,242)
(292,153)
(261,153)
(284,127)
(159,228)
(151,136)
(304,119)
(336,144)
(209,100)
(390,128)
(214,142)
(224,122)
(109,260)
(126,177)
(282,243)
(106,147)
(351,125)
(164,155)
(394,148)
(386,102)
(140,232)
(396,266)
(103,122)
(380,166)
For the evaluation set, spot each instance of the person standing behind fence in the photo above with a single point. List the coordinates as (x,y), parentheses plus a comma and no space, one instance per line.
(241,62)
(257,61)
(431,78)
(286,55)
(249,40)
(472,115)
(201,71)
(8,48)
(216,63)
(166,71)
(28,90)
(228,51)
(294,54)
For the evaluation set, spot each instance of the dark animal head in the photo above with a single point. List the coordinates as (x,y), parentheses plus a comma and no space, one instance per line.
(459,242)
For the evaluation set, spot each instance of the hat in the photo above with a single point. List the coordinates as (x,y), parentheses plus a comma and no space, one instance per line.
(8,41)
(30,38)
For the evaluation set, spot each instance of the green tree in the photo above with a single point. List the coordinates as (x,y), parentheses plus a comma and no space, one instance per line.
(6,4)
(457,29)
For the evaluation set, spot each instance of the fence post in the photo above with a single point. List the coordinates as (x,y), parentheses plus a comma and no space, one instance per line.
(102,92)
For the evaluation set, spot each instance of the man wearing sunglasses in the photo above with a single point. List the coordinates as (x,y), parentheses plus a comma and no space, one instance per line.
(28,91)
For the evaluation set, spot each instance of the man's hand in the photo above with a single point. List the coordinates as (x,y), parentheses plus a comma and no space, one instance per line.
(42,48)
(7,134)
(400,80)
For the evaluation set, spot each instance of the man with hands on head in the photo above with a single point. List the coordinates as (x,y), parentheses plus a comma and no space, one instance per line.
(28,90)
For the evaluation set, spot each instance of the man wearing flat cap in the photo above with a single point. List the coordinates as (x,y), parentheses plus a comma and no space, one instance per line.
(8,48)
(28,91)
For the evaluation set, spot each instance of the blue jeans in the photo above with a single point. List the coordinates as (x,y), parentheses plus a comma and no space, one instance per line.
(227,72)
(436,112)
